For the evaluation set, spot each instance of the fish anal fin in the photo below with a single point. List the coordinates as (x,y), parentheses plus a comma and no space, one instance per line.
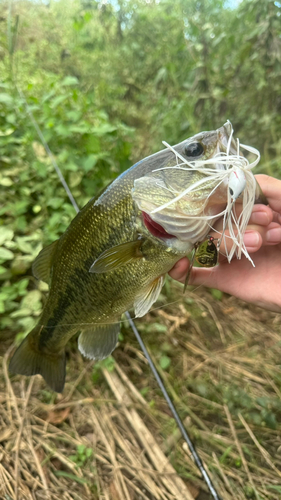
(117,256)
(30,361)
(99,341)
(41,267)
(144,301)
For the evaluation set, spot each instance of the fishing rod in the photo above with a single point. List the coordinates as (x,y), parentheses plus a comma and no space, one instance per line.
(153,368)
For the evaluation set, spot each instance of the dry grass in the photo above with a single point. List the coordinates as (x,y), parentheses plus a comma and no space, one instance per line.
(111,435)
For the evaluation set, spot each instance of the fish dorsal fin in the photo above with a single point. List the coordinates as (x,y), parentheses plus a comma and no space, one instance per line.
(144,301)
(41,267)
(99,341)
(117,256)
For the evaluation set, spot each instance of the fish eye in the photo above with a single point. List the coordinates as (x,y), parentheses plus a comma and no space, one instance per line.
(194,149)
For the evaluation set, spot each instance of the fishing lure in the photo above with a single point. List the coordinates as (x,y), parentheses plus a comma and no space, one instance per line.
(234,171)
(205,254)
(236,184)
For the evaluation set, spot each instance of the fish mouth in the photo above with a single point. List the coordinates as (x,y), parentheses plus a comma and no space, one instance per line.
(154,228)
(224,134)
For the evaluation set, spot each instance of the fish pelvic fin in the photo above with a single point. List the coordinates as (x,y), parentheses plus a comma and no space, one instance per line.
(41,267)
(99,341)
(28,360)
(144,301)
(118,256)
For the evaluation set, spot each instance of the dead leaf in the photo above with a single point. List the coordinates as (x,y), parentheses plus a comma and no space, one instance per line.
(59,416)
(229,310)
(5,434)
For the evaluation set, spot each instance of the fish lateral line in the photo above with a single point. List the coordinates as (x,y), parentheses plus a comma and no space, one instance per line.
(115,322)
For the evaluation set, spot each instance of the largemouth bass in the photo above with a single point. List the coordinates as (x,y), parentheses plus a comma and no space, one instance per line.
(115,254)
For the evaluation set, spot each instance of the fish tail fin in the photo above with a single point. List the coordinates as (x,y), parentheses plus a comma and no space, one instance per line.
(28,360)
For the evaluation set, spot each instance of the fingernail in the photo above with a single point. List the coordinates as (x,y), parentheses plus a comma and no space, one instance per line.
(260,218)
(251,239)
(274,235)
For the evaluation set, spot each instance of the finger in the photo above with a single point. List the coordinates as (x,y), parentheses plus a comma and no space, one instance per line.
(211,278)
(253,239)
(199,275)
(271,188)
(179,270)
(256,236)
(264,215)
(261,215)
(273,234)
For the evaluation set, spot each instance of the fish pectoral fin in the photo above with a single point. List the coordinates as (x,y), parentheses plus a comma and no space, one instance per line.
(41,267)
(30,361)
(144,301)
(117,256)
(99,341)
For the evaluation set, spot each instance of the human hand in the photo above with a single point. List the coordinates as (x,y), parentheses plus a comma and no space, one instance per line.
(260,285)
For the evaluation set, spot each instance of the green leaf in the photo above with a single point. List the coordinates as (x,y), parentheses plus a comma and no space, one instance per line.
(62,473)
(6,182)
(9,131)
(89,452)
(32,300)
(165,362)
(75,179)
(274,487)
(27,323)
(217,294)
(58,100)
(108,363)
(6,254)
(22,285)
(103,129)
(156,327)
(225,454)
(69,81)
(81,448)
(24,246)
(21,313)
(6,234)
(83,128)
(55,203)
(6,98)
(63,131)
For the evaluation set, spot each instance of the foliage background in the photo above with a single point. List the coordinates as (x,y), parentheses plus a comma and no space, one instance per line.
(107,82)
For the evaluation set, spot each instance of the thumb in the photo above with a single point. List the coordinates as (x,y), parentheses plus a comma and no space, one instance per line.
(198,276)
